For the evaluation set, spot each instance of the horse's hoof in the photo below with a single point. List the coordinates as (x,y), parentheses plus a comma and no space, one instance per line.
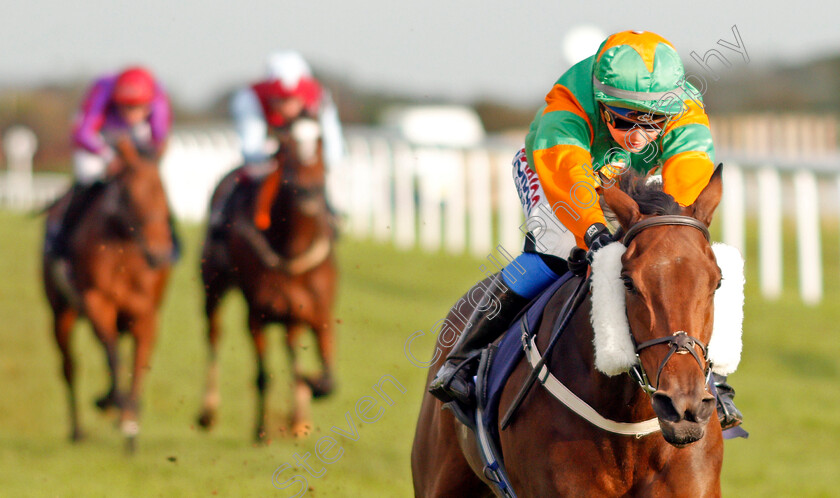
(77,436)
(301,429)
(206,420)
(261,436)
(107,401)
(321,386)
(131,445)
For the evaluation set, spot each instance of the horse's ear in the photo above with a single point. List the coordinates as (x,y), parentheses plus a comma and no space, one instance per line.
(704,207)
(624,207)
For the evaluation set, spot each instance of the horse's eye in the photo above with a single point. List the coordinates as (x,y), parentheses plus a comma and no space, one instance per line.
(720,282)
(628,284)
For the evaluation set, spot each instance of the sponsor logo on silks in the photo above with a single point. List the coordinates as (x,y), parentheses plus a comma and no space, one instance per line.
(527,182)
(592,230)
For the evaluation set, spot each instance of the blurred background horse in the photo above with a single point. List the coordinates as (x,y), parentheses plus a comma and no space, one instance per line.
(120,261)
(285,269)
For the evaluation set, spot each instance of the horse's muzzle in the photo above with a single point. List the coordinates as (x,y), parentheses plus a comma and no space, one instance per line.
(683,417)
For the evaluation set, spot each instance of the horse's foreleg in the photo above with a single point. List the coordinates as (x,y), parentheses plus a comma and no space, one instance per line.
(143,331)
(324,385)
(63,327)
(103,317)
(212,396)
(299,416)
(257,329)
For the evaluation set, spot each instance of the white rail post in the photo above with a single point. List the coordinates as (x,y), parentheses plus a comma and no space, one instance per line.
(733,207)
(360,186)
(479,195)
(808,237)
(405,226)
(20,144)
(770,232)
(455,207)
(381,189)
(339,183)
(431,188)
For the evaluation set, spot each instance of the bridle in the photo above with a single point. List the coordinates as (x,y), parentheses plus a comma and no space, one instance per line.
(290,167)
(680,342)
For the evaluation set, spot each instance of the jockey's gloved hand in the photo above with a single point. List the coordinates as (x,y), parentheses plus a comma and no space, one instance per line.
(577,262)
(596,237)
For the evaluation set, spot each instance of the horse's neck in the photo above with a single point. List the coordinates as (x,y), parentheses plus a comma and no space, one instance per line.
(293,229)
(107,217)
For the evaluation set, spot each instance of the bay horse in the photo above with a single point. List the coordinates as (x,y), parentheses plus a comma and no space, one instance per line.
(286,271)
(670,275)
(121,258)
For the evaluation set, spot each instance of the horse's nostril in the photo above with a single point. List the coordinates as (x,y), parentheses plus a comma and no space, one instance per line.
(664,407)
(684,408)
(705,409)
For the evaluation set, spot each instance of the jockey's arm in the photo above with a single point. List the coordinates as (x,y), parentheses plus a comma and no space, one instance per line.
(89,121)
(560,140)
(160,122)
(334,148)
(250,124)
(688,155)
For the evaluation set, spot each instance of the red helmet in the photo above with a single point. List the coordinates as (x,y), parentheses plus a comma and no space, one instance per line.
(135,86)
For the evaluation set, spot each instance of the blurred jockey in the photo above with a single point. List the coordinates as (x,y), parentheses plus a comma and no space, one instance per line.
(288,92)
(129,104)
(627,106)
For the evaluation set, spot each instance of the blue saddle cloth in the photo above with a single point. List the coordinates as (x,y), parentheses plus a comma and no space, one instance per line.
(507,355)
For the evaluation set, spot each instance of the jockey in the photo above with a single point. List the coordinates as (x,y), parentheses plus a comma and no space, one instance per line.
(627,106)
(288,92)
(129,104)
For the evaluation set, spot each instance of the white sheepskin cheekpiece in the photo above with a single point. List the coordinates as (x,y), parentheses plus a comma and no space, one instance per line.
(614,351)
(725,345)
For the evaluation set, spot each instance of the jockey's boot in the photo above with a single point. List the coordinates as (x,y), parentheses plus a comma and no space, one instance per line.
(728,415)
(220,216)
(80,196)
(454,379)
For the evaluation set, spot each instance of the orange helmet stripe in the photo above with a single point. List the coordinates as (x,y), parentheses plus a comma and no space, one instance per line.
(643,42)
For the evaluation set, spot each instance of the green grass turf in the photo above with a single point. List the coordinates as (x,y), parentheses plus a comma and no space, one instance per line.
(787,386)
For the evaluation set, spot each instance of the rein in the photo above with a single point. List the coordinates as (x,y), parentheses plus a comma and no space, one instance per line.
(680,343)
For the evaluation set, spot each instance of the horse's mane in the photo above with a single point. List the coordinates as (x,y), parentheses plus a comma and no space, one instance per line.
(648,194)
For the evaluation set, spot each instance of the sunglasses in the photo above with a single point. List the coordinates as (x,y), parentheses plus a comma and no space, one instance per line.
(626,119)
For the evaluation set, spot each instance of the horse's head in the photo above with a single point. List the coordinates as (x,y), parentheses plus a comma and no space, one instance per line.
(138,205)
(301,146)
(670,274)
(301,161)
